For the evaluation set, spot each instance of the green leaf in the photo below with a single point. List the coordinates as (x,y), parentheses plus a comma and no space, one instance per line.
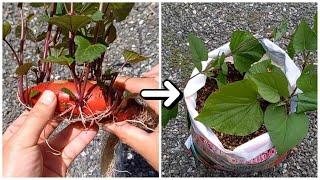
(37,5)
(112,34)
(168,114)
(304,38)
(6,29)
(133,57)
(315,23)
(29,34)
(221,80)
(62,60)
(87,52)
(281,30)
(60,9)
(86,8)
(198,51)
(33,93)
(271,85)
(97,16)
(290,49)
(245,49)
(308,79)
(121,10)
(24,68)
(307,102)
(70,93)
(219,61)
(286,131)
(261,67)
(234,109)
(71,23)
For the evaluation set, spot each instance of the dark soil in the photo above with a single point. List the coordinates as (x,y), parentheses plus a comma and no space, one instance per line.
(229,141)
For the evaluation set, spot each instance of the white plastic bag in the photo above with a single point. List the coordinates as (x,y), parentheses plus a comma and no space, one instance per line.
(255,151)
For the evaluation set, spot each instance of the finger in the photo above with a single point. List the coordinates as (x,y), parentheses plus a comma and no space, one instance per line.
(142,142)
(128,134)
(14,127)
(154,72)
(50,127)
(64,137)
(76,146)
(37,119)
(135,85)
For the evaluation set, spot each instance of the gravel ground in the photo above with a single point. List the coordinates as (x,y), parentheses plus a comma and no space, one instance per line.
(138,32)
(214,23)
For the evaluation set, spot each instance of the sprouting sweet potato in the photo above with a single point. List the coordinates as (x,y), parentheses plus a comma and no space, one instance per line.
(95,101)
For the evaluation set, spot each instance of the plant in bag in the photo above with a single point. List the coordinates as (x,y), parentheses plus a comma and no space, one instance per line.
(77,37)
(252,92)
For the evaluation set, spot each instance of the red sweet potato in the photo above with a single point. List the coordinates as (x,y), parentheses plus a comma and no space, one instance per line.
(93,96)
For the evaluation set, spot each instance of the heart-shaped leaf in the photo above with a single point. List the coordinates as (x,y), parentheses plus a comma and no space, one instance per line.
(112,34)
(87,52)
(62,60)
(198,51)
(271,85)
(307,101)
(71,23)
(121,10)
(262,67)
(24,68)
(286,131)
(6,29)
(234,109)
(133,57)
(304,38)
(308,79)
(168,114)
(245,49)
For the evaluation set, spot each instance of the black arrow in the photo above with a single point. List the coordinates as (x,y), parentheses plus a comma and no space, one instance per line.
(171,94)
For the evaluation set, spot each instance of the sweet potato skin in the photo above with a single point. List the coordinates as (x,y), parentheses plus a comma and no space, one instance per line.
(94,98)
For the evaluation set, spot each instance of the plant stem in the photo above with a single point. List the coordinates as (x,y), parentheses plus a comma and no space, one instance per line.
(13,51)
(22,41)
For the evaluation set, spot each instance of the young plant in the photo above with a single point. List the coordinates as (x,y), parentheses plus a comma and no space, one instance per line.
(77,36)
(262,95)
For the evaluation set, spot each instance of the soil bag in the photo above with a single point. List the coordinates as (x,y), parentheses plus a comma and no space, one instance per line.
(255,155)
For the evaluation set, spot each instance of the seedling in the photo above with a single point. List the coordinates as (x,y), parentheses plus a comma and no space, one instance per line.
(253,91)
(77,37)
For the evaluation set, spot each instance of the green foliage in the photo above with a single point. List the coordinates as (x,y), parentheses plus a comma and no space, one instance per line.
(70,93)
(285,130)
(307,102)
(308,79)
(33,93)
(87,52)
(198,51)
(6,29)
(72,23)
(307,82)
(304,38)
(233,113)
(121,10)
(24,68)
(97,16)
(168,114)
(315,23)
(281,30)
(245,49)
(62,60)
(262,67)
(29,34)
(133,57)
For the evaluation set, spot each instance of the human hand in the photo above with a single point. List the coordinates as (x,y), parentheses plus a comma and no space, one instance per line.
(24,150)
(146,144)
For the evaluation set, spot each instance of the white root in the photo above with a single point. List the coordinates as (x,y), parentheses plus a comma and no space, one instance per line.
(140,122)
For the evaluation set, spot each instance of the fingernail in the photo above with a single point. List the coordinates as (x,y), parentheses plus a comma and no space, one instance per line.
(47,97)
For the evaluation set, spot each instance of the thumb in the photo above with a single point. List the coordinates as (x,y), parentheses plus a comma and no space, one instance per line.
(37,119)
